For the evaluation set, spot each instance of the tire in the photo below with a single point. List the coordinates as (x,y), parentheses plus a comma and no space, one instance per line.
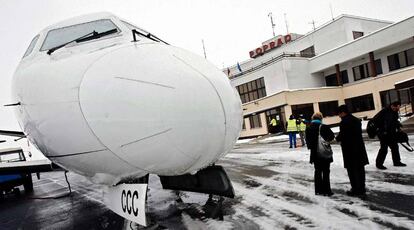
(16,192)
(28,183)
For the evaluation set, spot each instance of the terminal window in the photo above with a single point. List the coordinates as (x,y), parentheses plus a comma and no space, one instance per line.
(357,34)
(360,104)
(303,109)
(331,80)
(360,72)
(328,108)
(364,71)
(401,59)
(389,96)
(308,52)
(378,66)
(255,121)
(252,90)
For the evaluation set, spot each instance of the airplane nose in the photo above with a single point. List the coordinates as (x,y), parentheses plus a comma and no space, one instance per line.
(149,105)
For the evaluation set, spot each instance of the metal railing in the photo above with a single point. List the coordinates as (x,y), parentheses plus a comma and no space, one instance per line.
(406,110)
(272,60)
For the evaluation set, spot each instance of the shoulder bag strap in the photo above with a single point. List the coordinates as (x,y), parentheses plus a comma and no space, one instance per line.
(408,147)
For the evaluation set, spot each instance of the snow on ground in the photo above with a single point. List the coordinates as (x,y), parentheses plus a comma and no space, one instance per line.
(243,141)
(274,190)
(294,178)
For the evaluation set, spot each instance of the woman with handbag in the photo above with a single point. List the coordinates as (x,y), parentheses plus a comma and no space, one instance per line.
(318,137)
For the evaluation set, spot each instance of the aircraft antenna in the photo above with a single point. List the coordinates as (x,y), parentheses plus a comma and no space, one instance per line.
(204,49)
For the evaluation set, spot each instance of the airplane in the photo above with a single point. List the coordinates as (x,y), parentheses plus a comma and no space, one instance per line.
(108,100)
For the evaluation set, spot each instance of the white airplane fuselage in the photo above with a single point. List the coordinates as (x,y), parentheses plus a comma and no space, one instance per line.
(111,108)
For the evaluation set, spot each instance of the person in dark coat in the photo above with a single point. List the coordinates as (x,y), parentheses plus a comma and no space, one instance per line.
(322,165)
(353,150)
(388,126)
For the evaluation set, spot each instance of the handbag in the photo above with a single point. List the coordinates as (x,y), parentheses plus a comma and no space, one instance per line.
(372,129)
(402,138)
(323,149)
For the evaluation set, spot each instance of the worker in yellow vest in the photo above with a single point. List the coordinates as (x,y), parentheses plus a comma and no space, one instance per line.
(301,129)
(273,124)
(292,129)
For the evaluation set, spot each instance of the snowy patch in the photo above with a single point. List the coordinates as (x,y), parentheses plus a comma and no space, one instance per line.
(275,190)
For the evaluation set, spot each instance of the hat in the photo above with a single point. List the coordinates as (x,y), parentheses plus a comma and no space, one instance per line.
(396,103)
(342,108)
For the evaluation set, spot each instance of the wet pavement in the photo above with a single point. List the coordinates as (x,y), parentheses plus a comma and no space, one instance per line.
(273,186)
(51,207)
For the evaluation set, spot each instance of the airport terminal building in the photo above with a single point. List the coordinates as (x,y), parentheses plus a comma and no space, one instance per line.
(349,60)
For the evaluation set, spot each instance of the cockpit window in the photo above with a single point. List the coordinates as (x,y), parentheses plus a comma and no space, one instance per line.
(31,46)
(64,35)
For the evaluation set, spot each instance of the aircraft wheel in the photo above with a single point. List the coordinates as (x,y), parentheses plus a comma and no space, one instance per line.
(16,191)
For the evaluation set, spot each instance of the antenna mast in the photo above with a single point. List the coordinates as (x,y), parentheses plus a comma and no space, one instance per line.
(313,24)
(330,6)
(287,28)
(271,22)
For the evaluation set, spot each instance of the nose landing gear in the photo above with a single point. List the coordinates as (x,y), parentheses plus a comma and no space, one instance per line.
(214,207)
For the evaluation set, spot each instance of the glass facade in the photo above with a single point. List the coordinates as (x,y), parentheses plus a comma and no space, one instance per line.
(360,103)
(357,34)
(389,96)
(331,80)
(401,59)
(255,121)
(364,71)
(303,109)
(252,90)
(328,108)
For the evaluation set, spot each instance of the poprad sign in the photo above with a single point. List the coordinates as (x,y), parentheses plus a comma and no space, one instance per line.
(270,45)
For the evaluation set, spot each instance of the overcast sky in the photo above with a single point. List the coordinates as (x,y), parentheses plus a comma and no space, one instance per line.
(230,29)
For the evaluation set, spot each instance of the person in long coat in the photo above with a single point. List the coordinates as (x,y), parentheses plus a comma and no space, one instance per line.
(322,165)
(353,150)
(388,125)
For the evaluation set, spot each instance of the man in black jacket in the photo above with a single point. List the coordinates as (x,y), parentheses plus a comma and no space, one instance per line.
(388,126)
(353,150)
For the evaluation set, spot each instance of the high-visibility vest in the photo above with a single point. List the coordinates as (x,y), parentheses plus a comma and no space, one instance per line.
(302,127)
(273,122)
(292,126)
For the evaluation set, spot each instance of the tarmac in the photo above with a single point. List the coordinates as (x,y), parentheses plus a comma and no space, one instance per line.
(51,207)
(274,190)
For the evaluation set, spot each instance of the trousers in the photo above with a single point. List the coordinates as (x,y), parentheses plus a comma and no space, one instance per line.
(356,174)
(292,139)
(322,182)
(382,153)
